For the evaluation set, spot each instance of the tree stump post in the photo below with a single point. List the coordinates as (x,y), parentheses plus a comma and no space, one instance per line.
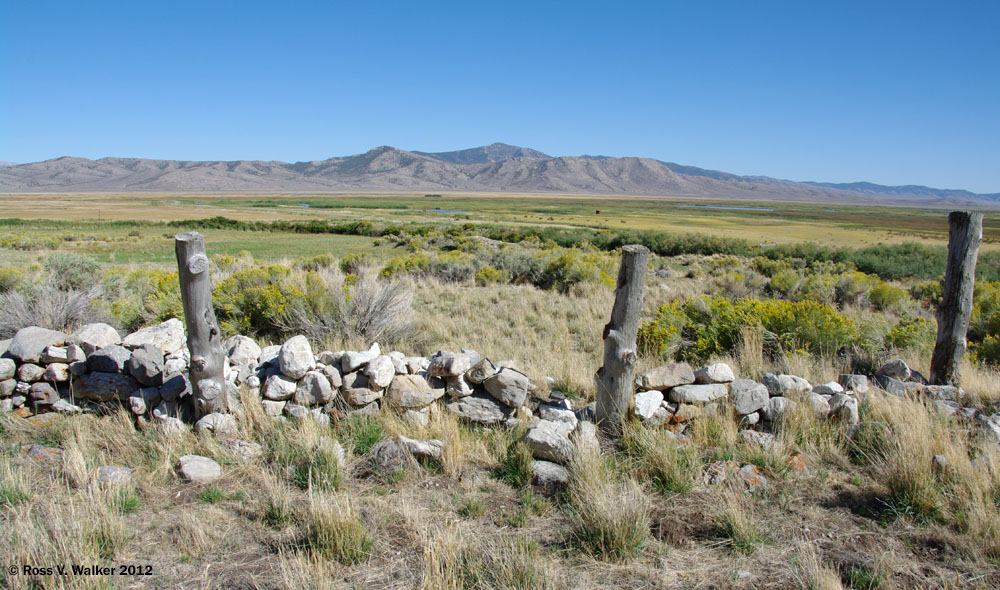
(964,239)
(615,379)
(203,335)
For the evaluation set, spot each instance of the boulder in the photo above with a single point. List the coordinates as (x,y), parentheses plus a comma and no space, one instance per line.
(333,374)
(697,394)
(63,406)
(891,385)
(896,368)
(424,449)
(747,396)
(845,408)
(269,355)
(714,373)
(7,369)
(820,405)
(411,391)
(352,361)
(295,358)
(356,391)
(328,357)
(549,441)
(216,423)
(415,364)
(103,387)
(685,413)
(111,359)
(279,388)
(168,337)
(95,337)
(43,394)
(29,373)
(7,387)
(944,392)
(508,386)
(458,386)
(858,383)
(380,371)
(448,364)
(421,416)
(198,469)
(273,408)
(548,475)
(786,385)
(386,459)
(830,388)
(30,343)
(242,351)
(146,365)
(647,402)
(946,407)
(175,387)
(776,408)
(752,478)
(665,377)
(480,371)
(57,372)
(558,413)
(55,354)
(585,436)
(296,411)
(313,389)
(480,408)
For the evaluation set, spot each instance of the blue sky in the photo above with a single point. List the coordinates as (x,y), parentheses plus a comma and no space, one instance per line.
(889,92)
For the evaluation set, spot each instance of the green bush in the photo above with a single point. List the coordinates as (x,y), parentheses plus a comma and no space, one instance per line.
(68,270)
(10,277)
(352,263)
(487,275)
(885,297)
(252,301)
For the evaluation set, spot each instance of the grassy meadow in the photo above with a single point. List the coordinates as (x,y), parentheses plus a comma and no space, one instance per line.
(869,511)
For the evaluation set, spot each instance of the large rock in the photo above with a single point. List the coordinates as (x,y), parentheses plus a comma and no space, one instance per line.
(216,423)
(175,387)
(94,337)
(7,387)
(29,373)
(168,337)
(481,371)
(380,371)
(424,449)
(448,364)
(820,405)
(646,403)
(43,394)
(295,358)
(697,394)
(313,389)
(57,372)
(480,408)
(844,408)
(830,388)
(891,385)
(548,475)
(198,469)
(776,408)
(458,386)
(30,343)
(7,369)
(352,361)
(747,396)
(858,383)
(243,351)
(411,391)
(665,377)
(714,373)
(103,387)
(146,365)
(279,388)
(896,368)
(549,441)
(786,385)
(509,387)
(111,359)
(356,390)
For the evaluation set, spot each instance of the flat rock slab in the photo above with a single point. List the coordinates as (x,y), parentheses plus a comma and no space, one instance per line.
(168,337)
(714,373)
(104,387)
(480,408)
(30,343)
(665,377)
(411,391)
(509,387)
(198,469)
(697,394)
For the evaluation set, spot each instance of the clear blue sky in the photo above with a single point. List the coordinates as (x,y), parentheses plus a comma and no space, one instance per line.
(889,92)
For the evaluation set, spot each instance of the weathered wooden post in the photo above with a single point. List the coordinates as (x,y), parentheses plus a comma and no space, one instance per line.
(614,379)
(203,336)
(964,239)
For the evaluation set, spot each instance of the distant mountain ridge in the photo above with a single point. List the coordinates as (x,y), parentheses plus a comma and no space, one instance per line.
(493,168)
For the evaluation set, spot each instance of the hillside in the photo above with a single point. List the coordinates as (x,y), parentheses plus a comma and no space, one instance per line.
(492,168)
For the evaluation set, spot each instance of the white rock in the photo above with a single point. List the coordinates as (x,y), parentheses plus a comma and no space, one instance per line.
(448,364)
(776,408)
(295,358)
(168,337)
(508,386)
(896,368)
(272,408)
(714,373)
(458,386)
(7,369)
(665,377)
(747,396)
(198,469)
(216,423)
(94,337)
(786,385)
(279,388)
(697,394)
(380,371)
(549,475)
(549,441)
(828,388)
(313,389)
(352,361)
(427,449)
(646,403)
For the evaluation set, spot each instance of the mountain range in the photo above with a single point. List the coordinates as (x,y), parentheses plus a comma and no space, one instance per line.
(493,168)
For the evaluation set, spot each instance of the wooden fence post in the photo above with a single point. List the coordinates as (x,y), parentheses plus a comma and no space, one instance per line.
(964,239)
(203,336)
(615,379)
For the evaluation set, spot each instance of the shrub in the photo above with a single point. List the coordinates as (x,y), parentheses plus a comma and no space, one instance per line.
(48,307)
(252,301)
(885,297)
(853,286)
(68,270)
(335,532)
(487,275)
(10,277)
(377,311)
(354,262)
